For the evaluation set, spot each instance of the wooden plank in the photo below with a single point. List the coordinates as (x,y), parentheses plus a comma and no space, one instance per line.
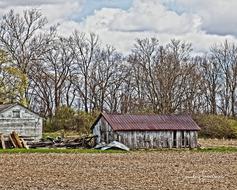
(2,141)
(24,143)
(12,141)
(16,139)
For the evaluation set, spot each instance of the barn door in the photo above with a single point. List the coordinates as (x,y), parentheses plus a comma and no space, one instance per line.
(174,139)
(183,143)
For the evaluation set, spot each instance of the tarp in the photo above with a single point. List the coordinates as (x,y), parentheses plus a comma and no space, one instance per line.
(112,145)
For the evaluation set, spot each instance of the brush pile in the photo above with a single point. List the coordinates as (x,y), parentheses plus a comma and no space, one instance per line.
(13,140)
(80,142)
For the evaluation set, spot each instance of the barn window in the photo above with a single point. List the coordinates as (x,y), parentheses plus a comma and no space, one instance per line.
(16,114)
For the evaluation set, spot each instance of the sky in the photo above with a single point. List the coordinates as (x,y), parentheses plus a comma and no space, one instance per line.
(119,22)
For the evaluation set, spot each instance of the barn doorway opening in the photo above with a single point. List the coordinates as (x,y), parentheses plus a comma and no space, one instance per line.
(182,139)
(175,139)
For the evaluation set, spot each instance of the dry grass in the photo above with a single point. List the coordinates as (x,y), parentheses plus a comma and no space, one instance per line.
(217,142)
(135,170)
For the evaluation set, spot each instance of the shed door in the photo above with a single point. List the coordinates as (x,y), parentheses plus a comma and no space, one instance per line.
(183,139)
(174,139)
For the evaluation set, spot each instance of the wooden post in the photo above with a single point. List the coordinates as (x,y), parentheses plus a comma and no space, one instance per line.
(2,141)
(24,143)
(12,141)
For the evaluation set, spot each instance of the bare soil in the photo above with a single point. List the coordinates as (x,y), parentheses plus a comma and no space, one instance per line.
(135,170)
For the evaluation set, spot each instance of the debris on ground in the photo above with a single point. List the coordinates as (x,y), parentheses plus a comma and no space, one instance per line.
(13,140)
(112,145)
(80,142)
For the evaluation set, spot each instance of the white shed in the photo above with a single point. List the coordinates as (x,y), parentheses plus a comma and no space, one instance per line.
(15,117)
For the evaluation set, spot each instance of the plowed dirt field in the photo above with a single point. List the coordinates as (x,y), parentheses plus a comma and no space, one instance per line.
(134,170)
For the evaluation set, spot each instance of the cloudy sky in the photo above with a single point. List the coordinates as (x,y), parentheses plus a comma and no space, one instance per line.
(119,22)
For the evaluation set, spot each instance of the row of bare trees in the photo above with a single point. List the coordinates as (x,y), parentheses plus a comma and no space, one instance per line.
(45,71)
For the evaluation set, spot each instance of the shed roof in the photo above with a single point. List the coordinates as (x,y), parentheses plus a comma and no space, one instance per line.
(120,122)
(5,107)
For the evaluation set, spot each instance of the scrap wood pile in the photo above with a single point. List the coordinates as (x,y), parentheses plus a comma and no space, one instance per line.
(81,142)
(12,140)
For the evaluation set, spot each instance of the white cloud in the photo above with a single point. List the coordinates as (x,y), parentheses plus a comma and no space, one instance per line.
(54,10)
(152,19)
(8,3)
(218,16)
(155,17)
(142,17)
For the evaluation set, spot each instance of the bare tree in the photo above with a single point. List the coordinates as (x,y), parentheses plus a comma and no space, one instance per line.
(52,76)
(210,72)
(225,55)
(108,75)
(161,73)
(84,48)
(23,39)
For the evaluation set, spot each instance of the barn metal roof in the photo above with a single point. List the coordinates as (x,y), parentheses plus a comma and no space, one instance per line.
(120,122)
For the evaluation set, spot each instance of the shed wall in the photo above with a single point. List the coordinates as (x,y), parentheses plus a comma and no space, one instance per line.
(29,124)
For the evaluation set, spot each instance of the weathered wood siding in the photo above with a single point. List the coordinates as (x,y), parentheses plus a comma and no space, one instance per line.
(145,139)
(103,131)
(29,124)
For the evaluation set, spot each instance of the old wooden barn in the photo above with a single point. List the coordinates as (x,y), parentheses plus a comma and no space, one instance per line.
(15,117)
(146,131)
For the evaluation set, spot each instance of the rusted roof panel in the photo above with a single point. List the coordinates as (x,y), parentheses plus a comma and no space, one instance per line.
(150,122)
